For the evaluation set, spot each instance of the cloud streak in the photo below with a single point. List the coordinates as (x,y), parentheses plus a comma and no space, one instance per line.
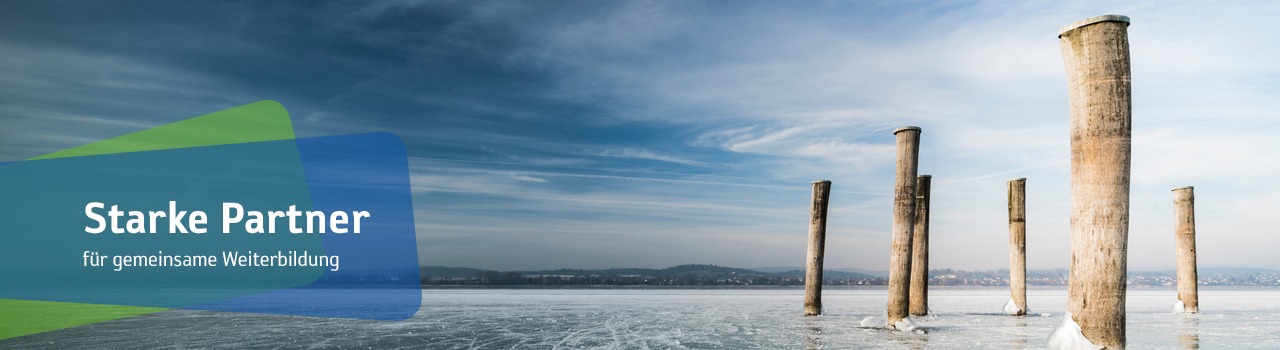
(641,133)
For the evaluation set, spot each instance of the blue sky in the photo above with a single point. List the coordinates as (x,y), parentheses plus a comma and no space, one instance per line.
(649,134)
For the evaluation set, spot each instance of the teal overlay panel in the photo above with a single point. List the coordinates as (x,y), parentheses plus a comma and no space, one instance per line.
(46,253)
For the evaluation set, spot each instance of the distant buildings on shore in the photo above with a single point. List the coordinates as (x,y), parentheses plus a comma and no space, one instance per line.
(711,275)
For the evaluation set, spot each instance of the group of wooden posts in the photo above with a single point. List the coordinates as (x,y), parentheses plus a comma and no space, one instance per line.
(1096,51)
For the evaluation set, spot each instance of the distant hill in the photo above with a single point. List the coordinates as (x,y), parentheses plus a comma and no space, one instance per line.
(449,272)
(827,274)
(1234,271)
(681,270)
(1211,271)
(776,269)
(773,269)
(876,273)
(715,270)
(687,270)
(711,270)
(715,275)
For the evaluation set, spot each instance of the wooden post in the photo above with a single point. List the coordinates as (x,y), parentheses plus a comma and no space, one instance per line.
(1096,52)
(904,220)
(920,249)
(1018,246)
(1184,203)
(817,246)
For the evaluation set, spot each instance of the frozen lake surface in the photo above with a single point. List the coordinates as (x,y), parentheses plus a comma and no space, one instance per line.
(688,319)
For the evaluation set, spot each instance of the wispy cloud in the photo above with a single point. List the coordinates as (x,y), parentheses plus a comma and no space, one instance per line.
(645,154)
(654,130)
(528,178)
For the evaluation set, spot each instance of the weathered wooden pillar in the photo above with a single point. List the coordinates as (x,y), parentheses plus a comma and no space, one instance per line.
(920,249)
(1017,247)
(1184,203)
(904,220)
(817,246)
(1096,51)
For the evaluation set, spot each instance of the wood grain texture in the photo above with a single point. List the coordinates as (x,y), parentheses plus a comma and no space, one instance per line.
(904,220)
(1097,64)
(1018,244)
(920,249)
(1184,203)
(817,248)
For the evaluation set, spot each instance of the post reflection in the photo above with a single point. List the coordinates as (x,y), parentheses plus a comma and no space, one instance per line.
(1019,340)
(917,339)
(1189,331)
(919,343)
(812,334)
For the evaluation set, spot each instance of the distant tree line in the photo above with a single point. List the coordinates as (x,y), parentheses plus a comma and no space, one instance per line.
(683,275)
(712,275)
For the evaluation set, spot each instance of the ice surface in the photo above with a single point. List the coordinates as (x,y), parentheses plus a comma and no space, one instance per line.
(685,319)
(1067,336)
(1178,307)
(871,322)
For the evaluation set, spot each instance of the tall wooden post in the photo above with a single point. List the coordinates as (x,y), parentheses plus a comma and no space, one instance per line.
(904,220)
(817,247)
(920,249)
(1017,247)
(1184,203)
(1096,51)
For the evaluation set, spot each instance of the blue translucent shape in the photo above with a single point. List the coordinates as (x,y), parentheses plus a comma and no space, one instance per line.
(43,242)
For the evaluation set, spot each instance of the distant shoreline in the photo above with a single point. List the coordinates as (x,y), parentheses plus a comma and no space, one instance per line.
(801,288)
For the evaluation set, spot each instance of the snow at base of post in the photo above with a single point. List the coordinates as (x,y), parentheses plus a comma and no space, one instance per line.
(1011,308)
(1067,336)
(1179,308)
(905,325)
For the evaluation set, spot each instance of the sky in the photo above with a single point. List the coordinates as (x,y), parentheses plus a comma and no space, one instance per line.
(593,134)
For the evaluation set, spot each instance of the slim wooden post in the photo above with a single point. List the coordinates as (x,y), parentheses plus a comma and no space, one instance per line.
(904,220)
(920,249)
(1184,203)
(1096,52)
(1018,247)
(817,245)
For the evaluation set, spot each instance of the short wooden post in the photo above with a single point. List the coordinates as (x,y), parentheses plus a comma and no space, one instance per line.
(1018,247)
(817,246)
(1184,203)
(1096,52)
(920,249)
(904,220)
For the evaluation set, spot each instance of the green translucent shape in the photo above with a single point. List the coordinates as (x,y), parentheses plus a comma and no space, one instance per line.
(255,122)
(259,121)
(24,317)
